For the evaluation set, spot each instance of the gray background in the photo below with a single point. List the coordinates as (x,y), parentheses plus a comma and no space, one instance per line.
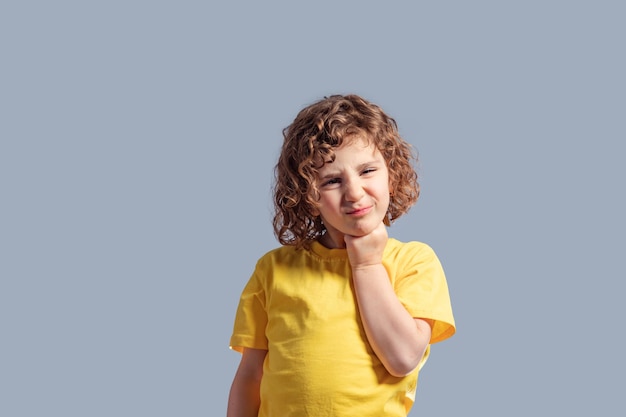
(137,146)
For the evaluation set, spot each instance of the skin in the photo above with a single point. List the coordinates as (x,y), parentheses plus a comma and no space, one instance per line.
(244,398)
(354,197)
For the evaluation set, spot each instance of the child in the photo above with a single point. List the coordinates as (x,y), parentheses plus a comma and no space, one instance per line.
(339,319)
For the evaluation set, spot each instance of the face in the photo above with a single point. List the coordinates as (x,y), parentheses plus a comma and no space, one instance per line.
(354,192)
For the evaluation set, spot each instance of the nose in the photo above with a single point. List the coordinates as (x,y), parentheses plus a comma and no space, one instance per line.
(353,190)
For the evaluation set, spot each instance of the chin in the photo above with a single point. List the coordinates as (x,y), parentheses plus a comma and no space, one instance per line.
(362,231)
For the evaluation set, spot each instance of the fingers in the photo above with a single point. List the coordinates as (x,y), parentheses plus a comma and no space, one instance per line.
(367,249)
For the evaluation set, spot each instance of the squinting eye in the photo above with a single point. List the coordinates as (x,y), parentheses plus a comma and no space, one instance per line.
(333,181)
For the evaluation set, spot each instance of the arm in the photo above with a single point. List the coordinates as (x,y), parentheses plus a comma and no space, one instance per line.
(398,339)
(244,398)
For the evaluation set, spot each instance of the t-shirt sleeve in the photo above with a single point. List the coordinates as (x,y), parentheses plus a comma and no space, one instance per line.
(422,288)
(251,317)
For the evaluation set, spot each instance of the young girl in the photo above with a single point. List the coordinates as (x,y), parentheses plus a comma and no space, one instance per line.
(340,318)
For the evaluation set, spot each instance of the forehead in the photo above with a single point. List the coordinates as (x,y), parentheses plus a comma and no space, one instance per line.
(359,143)
(354,150)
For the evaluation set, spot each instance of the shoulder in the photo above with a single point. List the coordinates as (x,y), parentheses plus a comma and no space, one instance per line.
(281,255)
(281,252)
(408,257)
(413,248)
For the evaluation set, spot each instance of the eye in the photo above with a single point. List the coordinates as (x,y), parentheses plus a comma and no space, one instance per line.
(368,171)
(331,181)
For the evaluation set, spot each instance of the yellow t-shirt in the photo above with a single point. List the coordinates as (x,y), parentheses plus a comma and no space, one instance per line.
(300,306)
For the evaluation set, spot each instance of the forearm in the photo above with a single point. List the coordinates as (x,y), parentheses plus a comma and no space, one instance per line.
(396,338)
(244,398)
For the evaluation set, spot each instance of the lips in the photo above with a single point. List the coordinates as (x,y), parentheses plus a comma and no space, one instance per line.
(359,211)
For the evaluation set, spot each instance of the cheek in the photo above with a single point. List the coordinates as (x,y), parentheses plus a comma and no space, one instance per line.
(386,202)
(324,204)
(330,206)
(385,190)
(385,196)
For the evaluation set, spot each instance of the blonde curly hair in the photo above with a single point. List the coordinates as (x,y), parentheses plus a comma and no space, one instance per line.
(310,140)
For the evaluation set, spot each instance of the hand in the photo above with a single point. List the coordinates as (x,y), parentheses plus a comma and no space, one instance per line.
(364,251)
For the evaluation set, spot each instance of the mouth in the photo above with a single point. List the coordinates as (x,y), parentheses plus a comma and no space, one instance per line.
(360,211)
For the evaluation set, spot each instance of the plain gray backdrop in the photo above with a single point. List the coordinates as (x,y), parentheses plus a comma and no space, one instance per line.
(137,143)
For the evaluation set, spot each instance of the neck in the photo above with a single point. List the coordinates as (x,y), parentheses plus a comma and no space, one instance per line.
(332,242)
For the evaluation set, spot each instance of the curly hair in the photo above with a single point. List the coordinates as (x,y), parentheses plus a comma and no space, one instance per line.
(309,141)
